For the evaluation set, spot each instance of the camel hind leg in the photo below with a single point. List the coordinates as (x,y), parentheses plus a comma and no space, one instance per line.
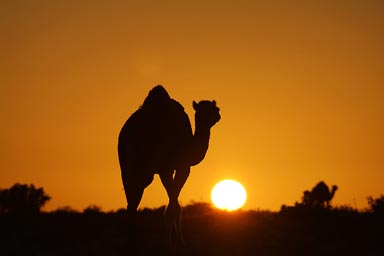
(135,180)
(133,194)
(134,188)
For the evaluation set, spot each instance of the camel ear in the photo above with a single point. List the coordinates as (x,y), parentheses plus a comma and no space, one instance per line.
(195,105)
(214,102)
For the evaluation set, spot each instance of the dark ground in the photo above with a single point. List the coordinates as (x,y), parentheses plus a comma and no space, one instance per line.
(295,231)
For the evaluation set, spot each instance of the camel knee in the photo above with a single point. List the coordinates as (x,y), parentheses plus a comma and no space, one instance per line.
(173,210)
(131,210)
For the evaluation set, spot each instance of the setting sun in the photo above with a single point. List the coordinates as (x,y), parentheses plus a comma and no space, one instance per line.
(228,195)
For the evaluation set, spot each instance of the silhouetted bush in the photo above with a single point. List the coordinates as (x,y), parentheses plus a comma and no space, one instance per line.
(93,209)
(346,209)
(300,230)
(197,209)
(22,199)
(120,211)
(65,210)
(376,204)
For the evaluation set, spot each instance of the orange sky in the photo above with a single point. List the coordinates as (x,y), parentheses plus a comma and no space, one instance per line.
(300,87)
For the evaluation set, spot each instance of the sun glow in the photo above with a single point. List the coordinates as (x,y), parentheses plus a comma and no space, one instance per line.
(228,195)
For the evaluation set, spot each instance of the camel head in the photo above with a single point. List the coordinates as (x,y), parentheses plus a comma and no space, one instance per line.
(332,193)
(207,113)
(334,188)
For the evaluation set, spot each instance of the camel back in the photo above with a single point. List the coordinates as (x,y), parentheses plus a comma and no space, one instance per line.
(159,124)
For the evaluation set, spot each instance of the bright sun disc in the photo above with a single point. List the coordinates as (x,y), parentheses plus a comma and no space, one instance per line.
(228,195)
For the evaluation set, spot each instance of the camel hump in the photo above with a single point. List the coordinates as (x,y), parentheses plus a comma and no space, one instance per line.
(159,103)
(159,119)
(320,188)
(157,97)
(322,185)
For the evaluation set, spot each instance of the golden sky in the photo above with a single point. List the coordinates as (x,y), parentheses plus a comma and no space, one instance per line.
(299,85)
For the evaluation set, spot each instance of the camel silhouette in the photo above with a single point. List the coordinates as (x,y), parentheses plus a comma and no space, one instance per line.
(320,195)
(158,139)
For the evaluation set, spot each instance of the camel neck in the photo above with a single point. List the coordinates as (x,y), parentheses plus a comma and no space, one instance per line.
(201,131)
(200,144)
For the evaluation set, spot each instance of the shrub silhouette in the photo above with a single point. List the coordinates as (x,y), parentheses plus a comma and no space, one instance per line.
(376,204)
(22,199)
(92,210)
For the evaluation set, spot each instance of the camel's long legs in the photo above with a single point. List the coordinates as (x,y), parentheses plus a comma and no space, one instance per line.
(133,191)
(167,181)
(173,212)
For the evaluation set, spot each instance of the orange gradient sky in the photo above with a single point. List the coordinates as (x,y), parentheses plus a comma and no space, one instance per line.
(299,84)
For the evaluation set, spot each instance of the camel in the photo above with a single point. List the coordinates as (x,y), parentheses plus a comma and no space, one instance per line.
(158,139)
(320,195)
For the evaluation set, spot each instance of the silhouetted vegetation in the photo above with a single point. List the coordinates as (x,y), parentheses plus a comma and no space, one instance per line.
(376,204)
(207,231)
(22,199)
(92,209)
(295,230)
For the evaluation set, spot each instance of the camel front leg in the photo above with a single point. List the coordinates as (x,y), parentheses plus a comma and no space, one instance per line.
(167,181)
(173,186)
(181,177)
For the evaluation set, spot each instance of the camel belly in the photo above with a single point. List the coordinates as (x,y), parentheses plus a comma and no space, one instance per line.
(149,160)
